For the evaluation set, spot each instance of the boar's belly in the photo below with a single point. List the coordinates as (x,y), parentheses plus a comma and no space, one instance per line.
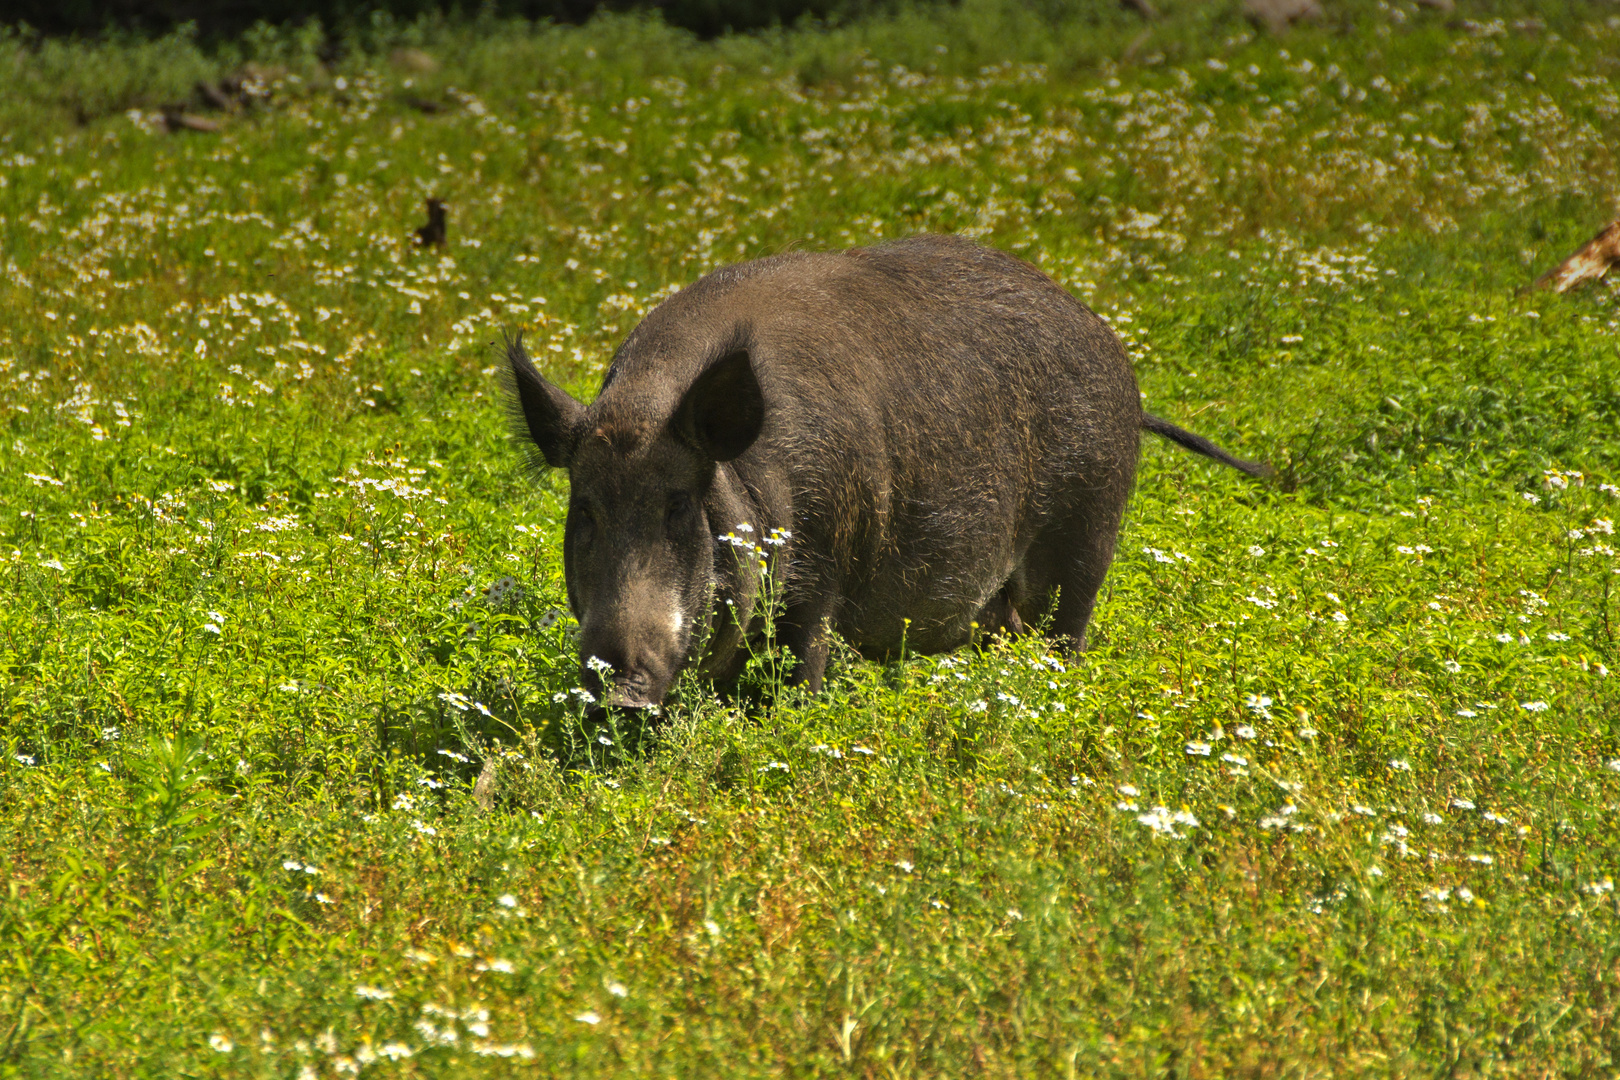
(922,609)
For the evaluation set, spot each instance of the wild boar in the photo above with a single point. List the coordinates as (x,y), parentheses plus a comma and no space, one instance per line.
(920,441)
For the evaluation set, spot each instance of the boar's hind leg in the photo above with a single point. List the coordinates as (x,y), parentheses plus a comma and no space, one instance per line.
(1080,560)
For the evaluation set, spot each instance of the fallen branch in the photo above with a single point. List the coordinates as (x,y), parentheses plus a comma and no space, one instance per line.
(1591,262)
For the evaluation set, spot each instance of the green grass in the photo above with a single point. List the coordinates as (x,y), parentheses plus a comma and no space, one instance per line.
(277,583)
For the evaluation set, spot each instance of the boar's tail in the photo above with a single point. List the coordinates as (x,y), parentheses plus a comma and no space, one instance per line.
(1200,445)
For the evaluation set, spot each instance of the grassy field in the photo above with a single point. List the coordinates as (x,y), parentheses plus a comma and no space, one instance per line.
(1334,793)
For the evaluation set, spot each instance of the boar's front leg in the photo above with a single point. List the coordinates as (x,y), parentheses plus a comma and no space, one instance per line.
(1000,615)
(805,629)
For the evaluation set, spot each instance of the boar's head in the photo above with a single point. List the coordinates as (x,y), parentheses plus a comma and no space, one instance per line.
(640,553)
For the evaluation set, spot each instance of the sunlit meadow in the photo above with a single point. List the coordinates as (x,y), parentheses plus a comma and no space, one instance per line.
(1335,791)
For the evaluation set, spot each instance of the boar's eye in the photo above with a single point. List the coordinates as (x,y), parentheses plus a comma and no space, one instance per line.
(678,512)
(581,522)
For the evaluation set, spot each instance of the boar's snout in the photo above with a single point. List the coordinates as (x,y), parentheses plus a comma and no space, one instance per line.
(624,673)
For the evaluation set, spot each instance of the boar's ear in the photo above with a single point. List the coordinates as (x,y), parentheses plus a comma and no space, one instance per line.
(550,415)
(721,414)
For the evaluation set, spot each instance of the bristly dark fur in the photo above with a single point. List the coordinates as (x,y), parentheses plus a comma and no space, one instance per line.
(947,435)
